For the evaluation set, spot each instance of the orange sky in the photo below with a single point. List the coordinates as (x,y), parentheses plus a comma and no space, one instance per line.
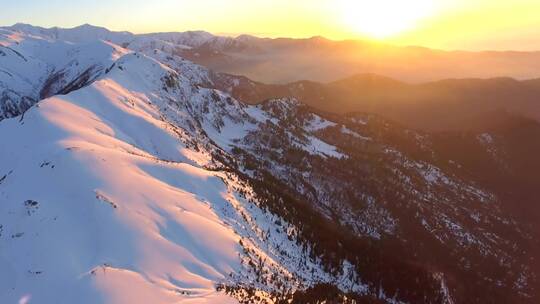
(447,24)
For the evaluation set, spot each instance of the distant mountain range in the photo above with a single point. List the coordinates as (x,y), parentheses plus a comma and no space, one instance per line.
(447,104)
(286,60)
(454,104)
(129,174)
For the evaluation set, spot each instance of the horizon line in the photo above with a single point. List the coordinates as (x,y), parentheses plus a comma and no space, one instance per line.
(262,36)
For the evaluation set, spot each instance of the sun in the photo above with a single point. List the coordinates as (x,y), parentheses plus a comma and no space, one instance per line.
(384,18)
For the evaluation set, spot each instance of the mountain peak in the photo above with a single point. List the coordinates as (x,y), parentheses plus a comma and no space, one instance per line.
(25,27)
(90,27)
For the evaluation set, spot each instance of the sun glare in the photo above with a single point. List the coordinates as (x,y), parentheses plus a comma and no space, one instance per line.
(384,18)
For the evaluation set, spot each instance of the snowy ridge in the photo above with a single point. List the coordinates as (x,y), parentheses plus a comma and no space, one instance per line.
(169,41)
(34,67)
(141,211)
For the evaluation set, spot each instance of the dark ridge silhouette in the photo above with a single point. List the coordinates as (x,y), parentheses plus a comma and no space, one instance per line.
(453,104)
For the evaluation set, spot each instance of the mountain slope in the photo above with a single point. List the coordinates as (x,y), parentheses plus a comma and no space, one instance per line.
(150,177)
(456,104)
(286,60)
(99,238)
(101,194)
(33,68)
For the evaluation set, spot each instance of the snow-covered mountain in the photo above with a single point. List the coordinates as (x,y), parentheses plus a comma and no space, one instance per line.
(285,60)
(35,67)
(36,63)
(83,33)
(132,176)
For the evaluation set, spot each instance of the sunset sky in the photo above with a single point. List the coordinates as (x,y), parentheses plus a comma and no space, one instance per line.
(446,24)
